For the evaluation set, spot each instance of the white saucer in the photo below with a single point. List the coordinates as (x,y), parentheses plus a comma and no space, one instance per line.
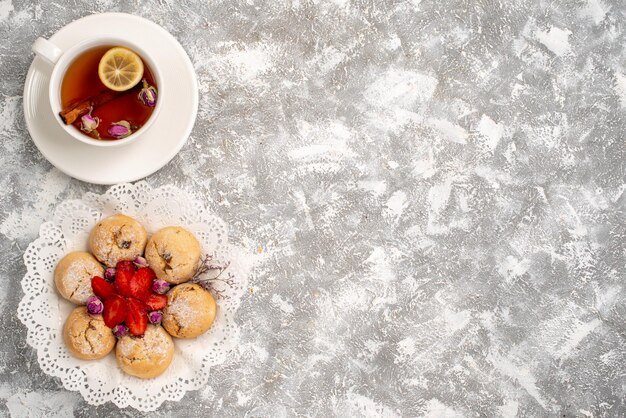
(161,143)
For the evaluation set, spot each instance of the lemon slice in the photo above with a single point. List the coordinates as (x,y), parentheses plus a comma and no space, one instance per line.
(120,69)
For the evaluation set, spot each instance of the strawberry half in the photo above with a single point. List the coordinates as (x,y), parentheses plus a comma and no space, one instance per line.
(156,302)
(141,283)
(125,265)
(101,287)
(123,277)
(115,310)
(137,318)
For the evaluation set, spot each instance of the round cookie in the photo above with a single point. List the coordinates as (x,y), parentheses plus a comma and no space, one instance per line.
(72,276)
(86,336)
(118,237)
(148,356)
(190,311)
(173,253)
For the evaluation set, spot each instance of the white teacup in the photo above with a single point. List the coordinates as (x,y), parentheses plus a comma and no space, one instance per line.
(60,60)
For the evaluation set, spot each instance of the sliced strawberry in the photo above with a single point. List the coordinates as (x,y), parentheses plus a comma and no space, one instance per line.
(101,287)
(137,318)
(125,265)
(156,302)
(141,283)
(115,310)
(123,279)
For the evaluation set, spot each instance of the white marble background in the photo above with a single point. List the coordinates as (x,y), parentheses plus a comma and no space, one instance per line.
(433,192)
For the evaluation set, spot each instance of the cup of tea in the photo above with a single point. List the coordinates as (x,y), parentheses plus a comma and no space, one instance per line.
(104,91)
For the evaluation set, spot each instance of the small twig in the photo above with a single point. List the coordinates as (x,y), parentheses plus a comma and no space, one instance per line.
(209,283)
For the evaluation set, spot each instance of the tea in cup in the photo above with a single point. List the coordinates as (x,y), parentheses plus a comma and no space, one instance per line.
(105,91)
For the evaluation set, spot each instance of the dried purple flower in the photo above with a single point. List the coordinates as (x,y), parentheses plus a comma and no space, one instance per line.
(160,286)
(155,317)
(89,123)
(148,94)
(119,130)
(109,273)
(94,305)
(140,262)
(120,330)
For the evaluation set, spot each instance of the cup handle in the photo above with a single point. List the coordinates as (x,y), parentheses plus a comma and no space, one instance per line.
(47,50)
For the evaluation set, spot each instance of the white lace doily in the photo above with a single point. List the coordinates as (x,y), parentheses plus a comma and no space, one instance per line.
(44,312)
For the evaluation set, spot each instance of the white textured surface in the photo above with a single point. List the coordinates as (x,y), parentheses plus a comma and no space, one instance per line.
(434,192)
